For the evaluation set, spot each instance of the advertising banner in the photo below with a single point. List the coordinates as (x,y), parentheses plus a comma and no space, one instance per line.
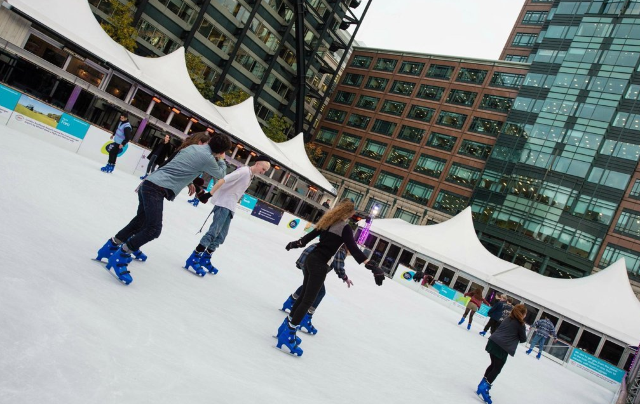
(267,212)
(247,203)
(595,369)
(292,225)
(8,100)
(95,144)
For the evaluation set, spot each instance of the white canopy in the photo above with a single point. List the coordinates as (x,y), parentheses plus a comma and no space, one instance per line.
(604,301)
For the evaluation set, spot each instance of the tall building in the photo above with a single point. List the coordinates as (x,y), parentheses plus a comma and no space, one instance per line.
(560,192)
(410,132)
(250,45)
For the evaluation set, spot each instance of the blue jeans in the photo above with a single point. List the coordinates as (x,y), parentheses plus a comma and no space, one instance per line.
(538,339)
(218,230)
(316,302)
(147,224)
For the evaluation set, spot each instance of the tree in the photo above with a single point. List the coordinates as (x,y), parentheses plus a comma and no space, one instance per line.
(232,98)
(196,68)
(119,26)
(314,152)
(276,129)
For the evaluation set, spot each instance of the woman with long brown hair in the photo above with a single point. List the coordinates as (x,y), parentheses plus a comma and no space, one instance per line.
(334,230)
(473,305)
(501,344)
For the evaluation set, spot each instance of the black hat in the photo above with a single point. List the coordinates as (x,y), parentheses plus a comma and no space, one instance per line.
(125,114)
(261,158)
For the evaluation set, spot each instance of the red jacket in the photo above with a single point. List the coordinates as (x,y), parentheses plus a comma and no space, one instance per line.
(475,301)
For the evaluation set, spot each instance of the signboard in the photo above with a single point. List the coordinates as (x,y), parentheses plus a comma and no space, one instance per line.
(8,101)
(595,369)
(267,212)
(247,203)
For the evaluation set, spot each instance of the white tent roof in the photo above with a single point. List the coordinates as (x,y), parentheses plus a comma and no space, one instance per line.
(604,301)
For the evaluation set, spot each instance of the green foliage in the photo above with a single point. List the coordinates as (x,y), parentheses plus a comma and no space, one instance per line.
(276,129)
(196,68)
(314,152)
(119,25)
(232,98)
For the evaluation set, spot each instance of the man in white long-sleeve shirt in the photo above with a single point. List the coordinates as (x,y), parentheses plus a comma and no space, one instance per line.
(224,195)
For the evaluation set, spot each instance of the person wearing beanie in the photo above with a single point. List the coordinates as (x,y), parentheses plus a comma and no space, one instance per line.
(165,183)
(225,195)
(121,136)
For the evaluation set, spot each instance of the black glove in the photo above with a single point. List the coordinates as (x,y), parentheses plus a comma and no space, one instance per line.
(199,184)
(203,197)
(378,273)
(294,244)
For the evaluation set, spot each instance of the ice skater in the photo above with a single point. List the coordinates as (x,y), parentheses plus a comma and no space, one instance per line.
(473,305)
(164,183)
(501,344)
(158,155)
(544,329)
(121,136)
(334,230)
(337,265)
(225,195)
(495,315)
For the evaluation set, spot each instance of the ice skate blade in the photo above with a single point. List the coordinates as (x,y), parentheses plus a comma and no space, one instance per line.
(193,272)
(286,350)
(113,273)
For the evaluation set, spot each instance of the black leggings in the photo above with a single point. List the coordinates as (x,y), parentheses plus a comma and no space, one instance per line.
(113,153)
(493,324)
(315,272)
(151,167)
(470,313)
(494,369)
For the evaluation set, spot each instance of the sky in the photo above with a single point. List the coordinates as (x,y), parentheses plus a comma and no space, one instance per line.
(469,28)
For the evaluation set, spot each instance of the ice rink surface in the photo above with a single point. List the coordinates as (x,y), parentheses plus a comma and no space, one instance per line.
(70,333)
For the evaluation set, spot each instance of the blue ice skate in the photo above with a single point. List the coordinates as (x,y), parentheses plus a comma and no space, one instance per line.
(144,176)
(205,262)
(483,391)
(139,255)
(287,337)
(306,325)
(468,326)
(118,262)
(288,304)
(195,201)
(283,327)
(107,250)
(482,333)
(194,262)
(461,321)
(108,168)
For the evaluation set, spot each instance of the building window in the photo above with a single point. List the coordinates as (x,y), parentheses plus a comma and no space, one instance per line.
(417,192)
(524,40)
(386,65)
(451,119)
(516,58)
(362,62)
(431,166)
(156,38)
(376,83)
(383,127)
(393,107)
(613,253)
(463,175)
(388,182)
(628,224)
(321,159)
(326,136)
(440,72)
(427,92)
(362,173)
(402,87)
(609,178)
(474,76)
(250,63)
(419,113)
(485,126)
(411,134)
(474,149)
(412,68)
(344,97)
(354,195)
(441,141)
(626,120)
(367,102)
(509,80)
(181,9)
(594,209)
(450,203)
(627,151)
(349,142)
(336,115)
(635,190)
(338,165)
(534,17)
(352,79)
(217,38)
(400,157)
(358,121)
(496,103)
(461,97)
(373,150)
(383,206)
(407,216)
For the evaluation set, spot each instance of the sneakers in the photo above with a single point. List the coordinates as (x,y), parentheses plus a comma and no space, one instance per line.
(306,325)
(483,391)
(461,321)
(118,262)
(107,250)
(286,306)
(483,333)
(287,337)
(205,262)
(194,262)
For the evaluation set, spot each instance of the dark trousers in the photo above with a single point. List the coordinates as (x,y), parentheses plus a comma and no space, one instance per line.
(470,313)
(493,324)
(494,369)
(315,272)
(151,167)
(147,224)
(316,302)
(113,153)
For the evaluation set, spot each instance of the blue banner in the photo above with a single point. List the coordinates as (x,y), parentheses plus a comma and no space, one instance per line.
(8,97)
(73,126)
(248,201)
(447,292)
(267,212)
(597,365)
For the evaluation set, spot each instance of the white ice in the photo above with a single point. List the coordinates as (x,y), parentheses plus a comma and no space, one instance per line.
(70,333)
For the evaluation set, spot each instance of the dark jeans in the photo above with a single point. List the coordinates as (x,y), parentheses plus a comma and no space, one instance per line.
(113,153)
(147,224)
(315,272)
(493,324)
(316,302)
(494,369)
(152,166)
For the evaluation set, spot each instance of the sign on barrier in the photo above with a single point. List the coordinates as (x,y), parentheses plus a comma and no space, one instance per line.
(8,100)
(595,369)
(267,212)
(247,203)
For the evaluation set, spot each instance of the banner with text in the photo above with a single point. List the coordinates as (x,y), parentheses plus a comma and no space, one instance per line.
(267,212)
(8,100)
(247,203)
(595,369)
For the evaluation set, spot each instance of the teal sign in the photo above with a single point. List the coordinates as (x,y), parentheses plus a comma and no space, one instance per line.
(73,126)
(597,365)
(448,292)
(248,201)
(8,98)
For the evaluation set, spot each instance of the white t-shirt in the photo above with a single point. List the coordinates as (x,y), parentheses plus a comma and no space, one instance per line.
(235,185)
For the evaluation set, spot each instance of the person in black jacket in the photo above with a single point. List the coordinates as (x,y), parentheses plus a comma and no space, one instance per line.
(158,155)
(334,230)
(501,344)
(495,315)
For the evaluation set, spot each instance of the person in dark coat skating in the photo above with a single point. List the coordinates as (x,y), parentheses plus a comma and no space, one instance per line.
(158,155)
(495,315)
